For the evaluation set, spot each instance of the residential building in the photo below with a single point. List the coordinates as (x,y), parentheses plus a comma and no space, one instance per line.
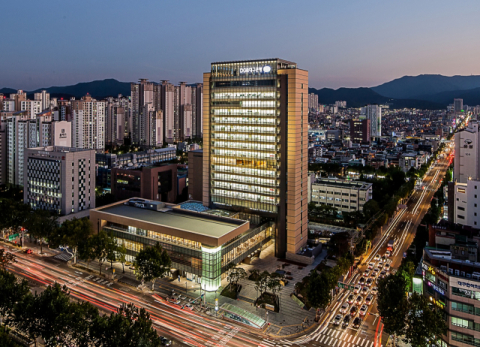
(115,123)
(374,114)
(59,179)
(467,154)
(44,99)
(88,123)
(458,105)
(313,102)
(253,162)
(345,196)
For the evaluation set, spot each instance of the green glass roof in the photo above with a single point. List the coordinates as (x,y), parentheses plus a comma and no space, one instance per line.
(252,318)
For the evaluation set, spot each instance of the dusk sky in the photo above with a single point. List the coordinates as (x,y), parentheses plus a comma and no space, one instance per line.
(340,43)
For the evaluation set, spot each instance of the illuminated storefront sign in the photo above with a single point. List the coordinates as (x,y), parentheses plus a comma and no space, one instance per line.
(258,69)
(438,303)
(436,288)
(468,285)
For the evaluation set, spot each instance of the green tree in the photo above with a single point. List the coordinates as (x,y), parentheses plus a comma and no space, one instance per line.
(86,249)
(424,322)
(72,233)
(100,243)
(41,224)
(122,255)
(112,250)
(370,209)
(12,292)
(261,284)
(274,285)
(129,327)
(318,290)
(235,274)
(152,263)
(407,270)
(6,258)
(392,303)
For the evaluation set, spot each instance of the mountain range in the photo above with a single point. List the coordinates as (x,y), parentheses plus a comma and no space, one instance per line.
(423,91)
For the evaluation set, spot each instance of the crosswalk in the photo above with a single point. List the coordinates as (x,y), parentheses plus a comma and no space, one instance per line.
(63,256)
(99,280)
(328,337)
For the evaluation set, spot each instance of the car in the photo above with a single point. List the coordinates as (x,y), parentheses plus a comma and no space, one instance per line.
(344,308)
(165,341)
(353,311)
(337,319)
(366,273)
(175,295)
(346,321)
(369,282)
(380,266)
(356,322)
(362,280)
(382,274)
(363,310)
(350,299)
(375,272)
(357,289)
(371,265)
(364,290)
(387,254)
(359,300)
(188,307)
(369,299)
(28,251)
(386,267)
(172,299)
(374,291)
(377,257)
(384,258)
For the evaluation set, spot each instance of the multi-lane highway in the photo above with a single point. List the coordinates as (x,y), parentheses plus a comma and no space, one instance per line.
(191,328)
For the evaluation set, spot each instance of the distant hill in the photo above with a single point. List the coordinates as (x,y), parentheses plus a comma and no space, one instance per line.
(97,89)
(417,87)
(358,97)
(470,97)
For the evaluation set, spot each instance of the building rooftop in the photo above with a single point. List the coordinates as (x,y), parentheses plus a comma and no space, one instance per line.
(197,223)
(343,184)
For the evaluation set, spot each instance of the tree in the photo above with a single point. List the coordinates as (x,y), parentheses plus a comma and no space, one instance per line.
(86,250)
(274,285)
(11,292)
(112,249)
(41,224)
(100,243)
(152,263)
(71,234)
(235,275)
(407,270)
(128,327)
(6,258)
(370,209)
(122,255)
(392,303)
(424,323)
(5,339)
(261,284)
(318,290)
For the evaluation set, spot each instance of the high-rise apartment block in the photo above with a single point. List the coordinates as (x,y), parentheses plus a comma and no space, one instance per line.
(458,105)
(255,150)
(374,114)
(88,123)
(59,179)
(177,111)
(360,130)
(44,99)
(313,102)
(467,152)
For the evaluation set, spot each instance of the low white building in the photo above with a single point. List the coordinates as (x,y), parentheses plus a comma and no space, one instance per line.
(466,203)
(346,196)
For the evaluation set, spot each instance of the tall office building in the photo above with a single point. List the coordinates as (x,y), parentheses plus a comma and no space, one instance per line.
(374,114)
(458,105)
(467,152)
(88,123)
(255,134)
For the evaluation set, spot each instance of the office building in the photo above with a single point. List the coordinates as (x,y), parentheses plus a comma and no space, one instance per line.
(147,182)
(458,105)
(345,196)
(374,114)
(467,151)
(360,131)
(255,139)
(59,179)
(88,123)
(451,281)
(195,175)
(200,245)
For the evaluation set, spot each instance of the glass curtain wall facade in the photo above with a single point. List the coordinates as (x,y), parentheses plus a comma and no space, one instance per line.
(253,110)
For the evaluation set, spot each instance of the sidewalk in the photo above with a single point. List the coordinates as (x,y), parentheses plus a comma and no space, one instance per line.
(287,322)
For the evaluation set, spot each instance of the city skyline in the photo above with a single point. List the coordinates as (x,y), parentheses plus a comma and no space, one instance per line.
(79,42)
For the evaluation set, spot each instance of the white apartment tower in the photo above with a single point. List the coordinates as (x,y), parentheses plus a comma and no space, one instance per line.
(374,113)
(88,123)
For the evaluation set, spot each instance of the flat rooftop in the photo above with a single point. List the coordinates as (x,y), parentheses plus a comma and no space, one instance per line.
(198,224)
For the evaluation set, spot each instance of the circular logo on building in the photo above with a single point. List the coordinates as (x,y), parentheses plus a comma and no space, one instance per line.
(267,69)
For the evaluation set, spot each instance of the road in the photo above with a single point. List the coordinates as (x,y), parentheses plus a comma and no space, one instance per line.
(189,328)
